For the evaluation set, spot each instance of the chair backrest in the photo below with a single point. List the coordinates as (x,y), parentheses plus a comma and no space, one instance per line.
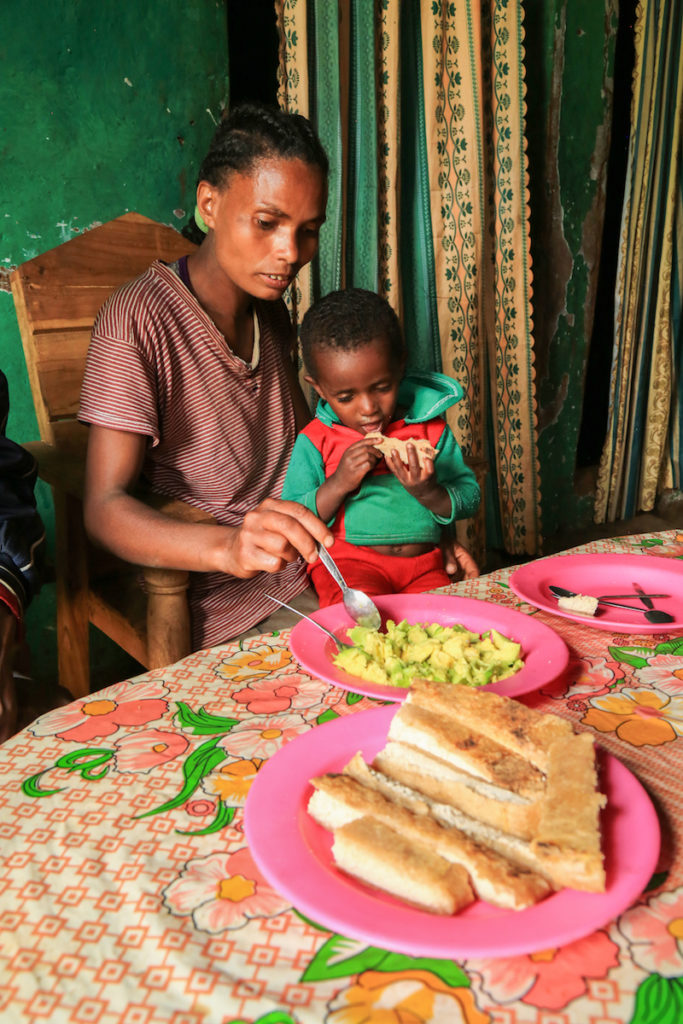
(57,296)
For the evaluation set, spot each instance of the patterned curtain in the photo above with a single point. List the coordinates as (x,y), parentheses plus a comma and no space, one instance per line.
(420,106)
(642,454)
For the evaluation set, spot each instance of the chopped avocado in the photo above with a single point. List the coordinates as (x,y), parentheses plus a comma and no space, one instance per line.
(450,654)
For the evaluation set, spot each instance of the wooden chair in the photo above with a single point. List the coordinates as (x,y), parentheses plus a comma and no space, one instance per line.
(57,296)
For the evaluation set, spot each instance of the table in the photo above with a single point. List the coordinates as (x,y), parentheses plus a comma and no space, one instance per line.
(128,894)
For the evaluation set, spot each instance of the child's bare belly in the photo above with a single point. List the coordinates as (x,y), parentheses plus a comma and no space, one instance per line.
(403,550)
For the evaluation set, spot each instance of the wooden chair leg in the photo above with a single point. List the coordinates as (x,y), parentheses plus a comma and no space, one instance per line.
(72,596)
(168,616)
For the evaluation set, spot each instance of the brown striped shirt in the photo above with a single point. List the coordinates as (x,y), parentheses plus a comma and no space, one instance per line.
(220,431)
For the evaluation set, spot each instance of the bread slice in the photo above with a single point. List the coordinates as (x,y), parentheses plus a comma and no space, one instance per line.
(468,751)
(386,445)
(561,867)
(374,778)
(339,799)
(376,854)
(437,780)
(520,729)
(579,604)
(569,823)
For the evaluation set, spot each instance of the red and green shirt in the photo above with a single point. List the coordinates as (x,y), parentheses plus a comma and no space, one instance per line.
(381,511)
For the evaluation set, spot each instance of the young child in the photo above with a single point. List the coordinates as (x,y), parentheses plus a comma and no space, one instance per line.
(385,514)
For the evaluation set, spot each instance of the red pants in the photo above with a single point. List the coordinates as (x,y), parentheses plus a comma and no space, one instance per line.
(364,569)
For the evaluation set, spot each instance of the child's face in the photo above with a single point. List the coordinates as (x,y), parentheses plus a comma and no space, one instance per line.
(360,386)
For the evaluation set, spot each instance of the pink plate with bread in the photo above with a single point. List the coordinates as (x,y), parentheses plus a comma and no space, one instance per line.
(294,854)
(544,653)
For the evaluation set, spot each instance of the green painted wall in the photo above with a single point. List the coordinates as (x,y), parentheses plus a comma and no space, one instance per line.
(105,107)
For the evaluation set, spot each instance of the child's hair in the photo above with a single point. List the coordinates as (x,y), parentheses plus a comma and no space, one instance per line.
(347,320)
(253,132)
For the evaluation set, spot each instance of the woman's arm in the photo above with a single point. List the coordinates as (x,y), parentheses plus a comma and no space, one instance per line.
(272,534)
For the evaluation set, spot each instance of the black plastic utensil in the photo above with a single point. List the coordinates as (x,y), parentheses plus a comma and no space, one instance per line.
(642,596)
(654,615)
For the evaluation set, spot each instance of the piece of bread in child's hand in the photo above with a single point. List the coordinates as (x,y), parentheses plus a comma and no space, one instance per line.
(386,445)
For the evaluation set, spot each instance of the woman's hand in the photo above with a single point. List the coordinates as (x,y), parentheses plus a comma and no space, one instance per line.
(457,561)
(272,534)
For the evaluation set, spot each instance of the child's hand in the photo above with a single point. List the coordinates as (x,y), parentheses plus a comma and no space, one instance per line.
(355,464)
(420,481)
(417,480)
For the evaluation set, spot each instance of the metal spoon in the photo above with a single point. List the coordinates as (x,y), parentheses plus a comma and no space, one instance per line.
(340,643)
(358,605)
(652,616)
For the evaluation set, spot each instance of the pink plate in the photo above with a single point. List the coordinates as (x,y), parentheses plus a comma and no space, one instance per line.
(602,574)
(294,854)
(545,654)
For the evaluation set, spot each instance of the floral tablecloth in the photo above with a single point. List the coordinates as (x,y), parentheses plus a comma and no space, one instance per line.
(128,894)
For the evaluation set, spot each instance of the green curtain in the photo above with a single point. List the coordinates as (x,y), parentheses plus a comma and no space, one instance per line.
(421,109)
(642,452)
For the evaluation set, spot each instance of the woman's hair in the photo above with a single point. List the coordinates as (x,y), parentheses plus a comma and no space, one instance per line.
(253,132)
(347,320)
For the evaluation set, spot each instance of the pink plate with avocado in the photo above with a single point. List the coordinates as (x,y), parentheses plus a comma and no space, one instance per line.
(544,653)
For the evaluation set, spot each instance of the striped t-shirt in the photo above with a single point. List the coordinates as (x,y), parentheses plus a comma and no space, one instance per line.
(220,430)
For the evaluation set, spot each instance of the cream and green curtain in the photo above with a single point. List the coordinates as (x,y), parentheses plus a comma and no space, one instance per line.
(642,454)
(420,106)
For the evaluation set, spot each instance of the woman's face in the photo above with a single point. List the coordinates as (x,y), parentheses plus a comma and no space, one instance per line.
(265,224)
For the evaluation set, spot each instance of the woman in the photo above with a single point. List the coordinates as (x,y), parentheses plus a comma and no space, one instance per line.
(190,382)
